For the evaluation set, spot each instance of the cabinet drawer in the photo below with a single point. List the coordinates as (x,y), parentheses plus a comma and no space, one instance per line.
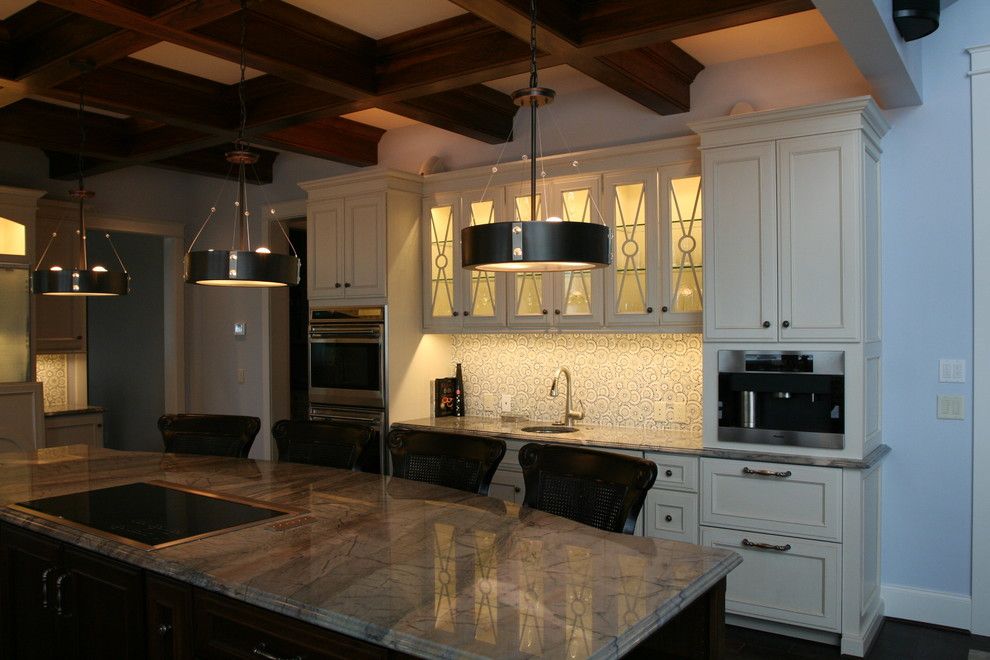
(771,497)
(675,472)
(671,515)
(225,628)
(793,581)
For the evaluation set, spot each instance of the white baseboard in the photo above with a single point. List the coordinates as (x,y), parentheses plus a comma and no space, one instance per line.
(939,608)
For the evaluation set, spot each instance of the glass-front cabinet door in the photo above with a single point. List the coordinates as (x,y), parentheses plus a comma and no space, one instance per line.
(632,284)
(482,293)
(680,240)
(577,295)
(531,294)
(441,292)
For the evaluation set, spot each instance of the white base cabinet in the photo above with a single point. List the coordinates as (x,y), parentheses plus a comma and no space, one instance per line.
(84,429)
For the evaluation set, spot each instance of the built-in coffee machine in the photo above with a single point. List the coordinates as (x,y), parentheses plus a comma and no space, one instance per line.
(782,398)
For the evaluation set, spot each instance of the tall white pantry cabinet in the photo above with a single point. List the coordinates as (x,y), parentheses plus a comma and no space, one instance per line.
(792,253)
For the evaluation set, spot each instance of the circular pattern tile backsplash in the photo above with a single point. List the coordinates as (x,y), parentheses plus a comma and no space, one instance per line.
(623,380)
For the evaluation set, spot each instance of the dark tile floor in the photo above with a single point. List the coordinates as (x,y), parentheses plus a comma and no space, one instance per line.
(898,640)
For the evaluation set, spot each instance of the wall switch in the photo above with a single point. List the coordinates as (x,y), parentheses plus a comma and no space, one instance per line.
(240,329)
(952,371)
(506,403)
(241,376)
(950,406)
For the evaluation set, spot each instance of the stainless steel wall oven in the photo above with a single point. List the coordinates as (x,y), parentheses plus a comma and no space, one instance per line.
(347,356)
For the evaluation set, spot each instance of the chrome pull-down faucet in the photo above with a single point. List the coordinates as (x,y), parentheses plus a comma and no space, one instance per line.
(569,415)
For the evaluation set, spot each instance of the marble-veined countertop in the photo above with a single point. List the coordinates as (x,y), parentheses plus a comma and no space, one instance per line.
(635,439)
(419,568)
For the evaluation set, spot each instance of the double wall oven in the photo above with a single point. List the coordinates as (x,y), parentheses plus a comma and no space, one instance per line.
(348,370)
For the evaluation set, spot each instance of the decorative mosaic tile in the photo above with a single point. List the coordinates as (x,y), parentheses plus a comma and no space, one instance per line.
(53,371)
(623,380)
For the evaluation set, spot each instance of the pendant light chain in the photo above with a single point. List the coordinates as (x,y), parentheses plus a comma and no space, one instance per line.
(533,83)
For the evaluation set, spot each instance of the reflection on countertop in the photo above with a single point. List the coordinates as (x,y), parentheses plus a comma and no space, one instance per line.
(619,437)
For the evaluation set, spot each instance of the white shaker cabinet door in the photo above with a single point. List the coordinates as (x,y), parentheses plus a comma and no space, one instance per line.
(740,248)
(365,254)
(819,245)
(325,249)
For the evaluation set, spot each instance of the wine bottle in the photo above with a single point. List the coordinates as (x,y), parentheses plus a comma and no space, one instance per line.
(458,392)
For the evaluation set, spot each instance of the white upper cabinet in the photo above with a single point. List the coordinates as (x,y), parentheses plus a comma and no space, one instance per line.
(792,224)
(650,197)
(353,222)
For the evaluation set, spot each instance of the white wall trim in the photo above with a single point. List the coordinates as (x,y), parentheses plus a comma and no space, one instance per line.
(938,608)
(980,94)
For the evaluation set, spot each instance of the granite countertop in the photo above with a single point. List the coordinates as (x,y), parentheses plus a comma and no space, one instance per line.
(636,439)
(56,411)
(410,566)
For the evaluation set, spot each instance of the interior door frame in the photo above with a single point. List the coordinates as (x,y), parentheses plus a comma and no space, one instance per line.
(980,94)
(173,301)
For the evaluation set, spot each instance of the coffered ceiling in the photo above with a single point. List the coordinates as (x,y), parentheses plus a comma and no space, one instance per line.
(327,79)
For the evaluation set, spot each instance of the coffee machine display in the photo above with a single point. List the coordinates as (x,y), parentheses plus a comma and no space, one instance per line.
(782,398)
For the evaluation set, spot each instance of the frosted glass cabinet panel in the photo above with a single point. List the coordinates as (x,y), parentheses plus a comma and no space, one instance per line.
(483,296)
(568,298)
(13,238)
(681,237)
(632,284)
(454,297)
(15,329)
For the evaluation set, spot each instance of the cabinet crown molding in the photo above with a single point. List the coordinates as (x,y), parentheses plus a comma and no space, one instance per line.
(372,179)
(859,113)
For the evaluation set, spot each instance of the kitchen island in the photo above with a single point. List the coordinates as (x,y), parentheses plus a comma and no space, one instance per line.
(382,566)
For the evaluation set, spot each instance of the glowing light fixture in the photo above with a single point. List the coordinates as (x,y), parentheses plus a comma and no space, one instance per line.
(241,266)
(80,280)
(535,245)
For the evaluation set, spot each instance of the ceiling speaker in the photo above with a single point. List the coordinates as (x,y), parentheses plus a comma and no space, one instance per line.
(916,18)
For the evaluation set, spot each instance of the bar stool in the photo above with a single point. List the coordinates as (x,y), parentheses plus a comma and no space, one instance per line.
(464,462)
(215,435)
(597,488)
(328,443)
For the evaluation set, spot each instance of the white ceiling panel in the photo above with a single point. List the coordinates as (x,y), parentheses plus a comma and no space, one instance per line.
(776,35)
(380,18)
(194,63)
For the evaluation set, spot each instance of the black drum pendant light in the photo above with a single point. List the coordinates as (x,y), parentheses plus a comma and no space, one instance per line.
(241,266)
(79,279)
(535,245)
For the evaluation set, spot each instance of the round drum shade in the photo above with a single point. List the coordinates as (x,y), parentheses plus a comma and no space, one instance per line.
(80,283)
(241,268)
(535,246)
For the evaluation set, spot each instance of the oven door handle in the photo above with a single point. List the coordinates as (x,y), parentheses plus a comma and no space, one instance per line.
(337,339)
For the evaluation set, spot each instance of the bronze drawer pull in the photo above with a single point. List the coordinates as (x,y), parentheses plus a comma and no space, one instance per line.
(261,649)
(44,586)
(767,473)
(766,546)
(59,606)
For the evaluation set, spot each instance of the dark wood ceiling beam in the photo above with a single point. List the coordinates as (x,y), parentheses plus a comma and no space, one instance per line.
(478,112)
(336,139)
(48,126)
(658,77)
(618,25)
(272,55)
(28,34)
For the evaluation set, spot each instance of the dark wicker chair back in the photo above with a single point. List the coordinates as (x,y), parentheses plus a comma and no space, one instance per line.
(216,435)
(457,461)
(327,443)
(597,488)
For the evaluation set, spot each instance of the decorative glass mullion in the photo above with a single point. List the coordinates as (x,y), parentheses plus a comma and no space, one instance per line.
(442,253)
(686,289)
(630,250)
(481,300)
(528,286)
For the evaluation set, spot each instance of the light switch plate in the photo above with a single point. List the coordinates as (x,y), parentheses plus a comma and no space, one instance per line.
(952,371)
(950,406)
(240,329)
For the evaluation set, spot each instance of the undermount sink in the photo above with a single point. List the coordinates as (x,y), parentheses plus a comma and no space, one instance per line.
(549,429)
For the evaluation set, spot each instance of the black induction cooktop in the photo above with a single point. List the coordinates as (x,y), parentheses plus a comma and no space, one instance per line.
(152,514)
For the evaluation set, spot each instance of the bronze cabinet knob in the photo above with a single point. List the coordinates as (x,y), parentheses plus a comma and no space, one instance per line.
(766,324)
(668,518)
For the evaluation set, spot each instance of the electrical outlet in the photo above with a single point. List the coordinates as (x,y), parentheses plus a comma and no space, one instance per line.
(506,406)
(950,406)
(242,376)
(488,402)
(679,412)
